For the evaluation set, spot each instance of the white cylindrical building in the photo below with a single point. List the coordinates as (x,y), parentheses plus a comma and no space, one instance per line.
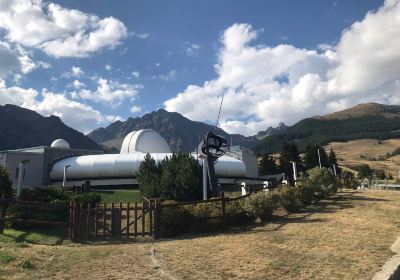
(125,165)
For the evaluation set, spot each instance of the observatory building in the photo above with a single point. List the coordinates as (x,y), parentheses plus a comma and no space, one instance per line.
(47,165)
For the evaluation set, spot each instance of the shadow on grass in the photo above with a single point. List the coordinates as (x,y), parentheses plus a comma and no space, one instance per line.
(49,236)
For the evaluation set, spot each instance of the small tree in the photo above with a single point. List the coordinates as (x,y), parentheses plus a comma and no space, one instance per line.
(311,157)
(149,177)
(180,178)
(267,166)
(332,157)
(5,182)
(364,171)
(289,153)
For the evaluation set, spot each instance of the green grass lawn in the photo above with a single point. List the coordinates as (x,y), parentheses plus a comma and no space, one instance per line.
(50,236)
(120,196)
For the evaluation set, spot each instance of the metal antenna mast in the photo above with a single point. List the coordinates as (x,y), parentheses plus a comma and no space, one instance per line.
(219,113)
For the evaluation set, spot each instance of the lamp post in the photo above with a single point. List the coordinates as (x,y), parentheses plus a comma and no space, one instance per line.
(65,175)
(319,160)
(334,169)
(20,174)
(294,171)
(205,179)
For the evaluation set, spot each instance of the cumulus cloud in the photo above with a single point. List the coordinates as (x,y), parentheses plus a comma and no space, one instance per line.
(58,31)
(75,114)
(75,72)
(264,85)
(111,92)
(170,76)
(135,109)
(16,61)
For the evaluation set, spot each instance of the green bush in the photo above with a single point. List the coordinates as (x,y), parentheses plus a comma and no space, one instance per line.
(290,198)
(45,194)
(87,198)
(204,210)
(324,181)
(5,182)
(307,190)
(175,221)
(262,204)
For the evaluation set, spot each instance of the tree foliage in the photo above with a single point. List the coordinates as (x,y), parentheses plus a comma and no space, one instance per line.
(5,182)
(289,153)
(364,171)
(149,177)
(267,166)
(311,159)
(177,177)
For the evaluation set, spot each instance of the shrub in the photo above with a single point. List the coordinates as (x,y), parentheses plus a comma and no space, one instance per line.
(26,264)
(204,210)
(307,191)
(290,198)
(5,182)
(45,194)
(175,221)
(6,258)
(262,204)
(87,198)
(324,181)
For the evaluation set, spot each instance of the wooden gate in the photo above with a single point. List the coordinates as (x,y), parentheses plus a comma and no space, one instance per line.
(121,220)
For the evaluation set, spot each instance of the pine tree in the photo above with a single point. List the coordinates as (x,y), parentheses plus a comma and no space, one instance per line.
(267,166)
(289,153)
(332,157)
(311,157)
(5,182)
(149,177)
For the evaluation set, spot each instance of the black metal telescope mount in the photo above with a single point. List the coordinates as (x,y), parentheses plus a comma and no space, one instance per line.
(213,147)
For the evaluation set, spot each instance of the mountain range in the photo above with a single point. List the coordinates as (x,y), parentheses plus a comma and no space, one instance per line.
(21,128)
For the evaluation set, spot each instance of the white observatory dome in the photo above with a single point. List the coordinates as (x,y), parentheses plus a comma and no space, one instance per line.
(146,141)
(60,144)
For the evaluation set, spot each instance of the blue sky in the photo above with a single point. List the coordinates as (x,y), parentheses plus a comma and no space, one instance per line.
(92,62)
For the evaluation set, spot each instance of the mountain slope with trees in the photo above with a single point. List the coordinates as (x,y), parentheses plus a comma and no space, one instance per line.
(364,121)
(22,128)
(181,133)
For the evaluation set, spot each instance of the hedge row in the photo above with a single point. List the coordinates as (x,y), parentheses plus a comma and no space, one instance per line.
(319,184)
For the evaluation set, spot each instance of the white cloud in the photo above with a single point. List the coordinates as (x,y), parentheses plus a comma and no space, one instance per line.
(58,31)
(76,115)
(191,49)
(170,76)
(16,61)
(136,74)
(108,67)
(135,109)
(75,72)
(111,92)
(265,85)
(78,84)
(141,35)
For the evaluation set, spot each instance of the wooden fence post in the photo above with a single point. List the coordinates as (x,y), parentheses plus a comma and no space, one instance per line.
(2,211)
(222,197)
(157,212)
(127,219)
(70,221)
(143,218)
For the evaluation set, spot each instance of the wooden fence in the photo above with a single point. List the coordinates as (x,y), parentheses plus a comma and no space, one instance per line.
(113,220)
(5,203)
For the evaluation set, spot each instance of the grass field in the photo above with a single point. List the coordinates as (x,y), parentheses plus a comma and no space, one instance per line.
(346,237)
(353,153)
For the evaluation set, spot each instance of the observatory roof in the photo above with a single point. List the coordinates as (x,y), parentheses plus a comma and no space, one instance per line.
(146,141)
(60,144)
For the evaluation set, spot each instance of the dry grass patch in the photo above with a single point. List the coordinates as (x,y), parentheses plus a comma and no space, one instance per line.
(347,237)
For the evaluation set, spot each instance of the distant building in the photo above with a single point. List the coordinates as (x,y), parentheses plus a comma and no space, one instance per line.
(45,165)
(36,172)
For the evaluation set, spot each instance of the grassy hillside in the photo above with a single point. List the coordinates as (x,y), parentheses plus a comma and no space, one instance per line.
(365,121)
(368,151)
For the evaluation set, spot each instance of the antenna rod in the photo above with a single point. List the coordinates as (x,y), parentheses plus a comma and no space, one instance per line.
(219,112)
